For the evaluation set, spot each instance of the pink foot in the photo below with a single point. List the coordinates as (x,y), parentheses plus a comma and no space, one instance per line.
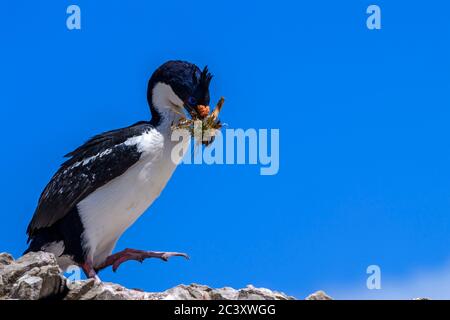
(115,260)
(89,271)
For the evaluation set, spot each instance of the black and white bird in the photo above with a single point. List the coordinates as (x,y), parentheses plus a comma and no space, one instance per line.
(109,181)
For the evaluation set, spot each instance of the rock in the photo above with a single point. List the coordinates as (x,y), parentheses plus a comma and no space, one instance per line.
(200,292)
(318,295)
(33,276)
(5,259)
(36,275)
(92,290)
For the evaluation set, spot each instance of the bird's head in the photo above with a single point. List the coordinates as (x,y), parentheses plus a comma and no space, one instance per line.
(178,86)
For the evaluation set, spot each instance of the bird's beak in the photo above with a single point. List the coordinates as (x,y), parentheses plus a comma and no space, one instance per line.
(191,110)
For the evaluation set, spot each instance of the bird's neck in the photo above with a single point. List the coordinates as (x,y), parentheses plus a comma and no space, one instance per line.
(161,101)
(163,119)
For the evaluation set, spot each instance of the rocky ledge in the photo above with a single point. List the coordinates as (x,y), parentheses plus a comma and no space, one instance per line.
(37,276)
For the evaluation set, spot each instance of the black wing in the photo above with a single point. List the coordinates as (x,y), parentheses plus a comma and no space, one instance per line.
(92,165)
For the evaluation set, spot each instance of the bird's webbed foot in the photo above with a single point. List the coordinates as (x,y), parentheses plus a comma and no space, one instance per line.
(116,259)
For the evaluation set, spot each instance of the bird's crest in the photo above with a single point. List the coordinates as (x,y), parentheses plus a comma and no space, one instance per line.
(205,78)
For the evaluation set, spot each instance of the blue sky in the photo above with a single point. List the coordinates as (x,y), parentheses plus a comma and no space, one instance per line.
(363,116)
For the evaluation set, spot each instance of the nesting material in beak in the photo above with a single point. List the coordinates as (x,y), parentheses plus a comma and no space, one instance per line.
(209,121)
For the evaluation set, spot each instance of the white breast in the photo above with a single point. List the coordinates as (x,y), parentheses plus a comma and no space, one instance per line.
(110,210)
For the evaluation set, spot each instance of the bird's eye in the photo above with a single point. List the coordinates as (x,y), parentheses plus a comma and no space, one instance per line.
(192,101)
